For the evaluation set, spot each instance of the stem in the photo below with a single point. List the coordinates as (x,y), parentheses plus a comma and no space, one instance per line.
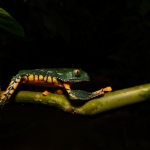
(97,105)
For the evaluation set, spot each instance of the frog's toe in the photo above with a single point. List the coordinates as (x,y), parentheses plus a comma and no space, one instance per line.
(60,92)
(45,93)
(107,89)
(3,100)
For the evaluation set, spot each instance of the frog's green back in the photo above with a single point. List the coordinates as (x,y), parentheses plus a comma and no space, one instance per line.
(64,74)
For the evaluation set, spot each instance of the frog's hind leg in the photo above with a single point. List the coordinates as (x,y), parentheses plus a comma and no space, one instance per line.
(10,90)
(82,95)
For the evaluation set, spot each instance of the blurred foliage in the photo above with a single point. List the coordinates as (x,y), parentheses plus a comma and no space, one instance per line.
(9,29)
(110,37)
(8,25)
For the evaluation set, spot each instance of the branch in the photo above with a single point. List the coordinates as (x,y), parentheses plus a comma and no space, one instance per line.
(97,105)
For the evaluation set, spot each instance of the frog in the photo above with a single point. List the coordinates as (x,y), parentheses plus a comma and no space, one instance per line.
(52,77)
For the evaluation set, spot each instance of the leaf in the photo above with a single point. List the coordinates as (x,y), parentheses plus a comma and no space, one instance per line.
(9,24)
(144,7)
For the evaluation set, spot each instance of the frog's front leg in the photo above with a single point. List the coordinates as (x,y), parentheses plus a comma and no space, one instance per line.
(10,90)
(83,95)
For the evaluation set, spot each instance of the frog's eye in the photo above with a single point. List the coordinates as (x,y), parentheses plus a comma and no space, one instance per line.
(76,73)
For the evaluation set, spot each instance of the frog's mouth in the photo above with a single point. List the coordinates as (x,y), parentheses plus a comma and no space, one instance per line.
(74,80)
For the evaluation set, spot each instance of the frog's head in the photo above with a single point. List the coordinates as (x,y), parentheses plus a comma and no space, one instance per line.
(72,75)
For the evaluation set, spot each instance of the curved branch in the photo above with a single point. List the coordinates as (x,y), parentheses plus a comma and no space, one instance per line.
(97,105)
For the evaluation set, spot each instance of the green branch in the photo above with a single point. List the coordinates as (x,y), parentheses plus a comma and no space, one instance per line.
(107,102)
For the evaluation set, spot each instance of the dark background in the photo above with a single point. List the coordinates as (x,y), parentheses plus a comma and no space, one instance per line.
(107,39)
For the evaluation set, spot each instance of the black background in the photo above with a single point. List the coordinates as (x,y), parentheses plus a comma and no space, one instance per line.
(107,39)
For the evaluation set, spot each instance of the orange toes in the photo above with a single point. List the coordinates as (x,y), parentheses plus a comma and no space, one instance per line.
(60,92)
(45,93)
(107,89)
(3,95)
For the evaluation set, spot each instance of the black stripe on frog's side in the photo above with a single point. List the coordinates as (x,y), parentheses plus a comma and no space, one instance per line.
(38,75)
(38,78)
(48,76)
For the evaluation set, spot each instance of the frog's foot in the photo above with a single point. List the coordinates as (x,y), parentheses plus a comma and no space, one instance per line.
(59,91)
(45,93)
(107,89)
(83,95)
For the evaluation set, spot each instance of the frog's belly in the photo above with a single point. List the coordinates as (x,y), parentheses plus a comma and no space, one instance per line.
(41,83)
